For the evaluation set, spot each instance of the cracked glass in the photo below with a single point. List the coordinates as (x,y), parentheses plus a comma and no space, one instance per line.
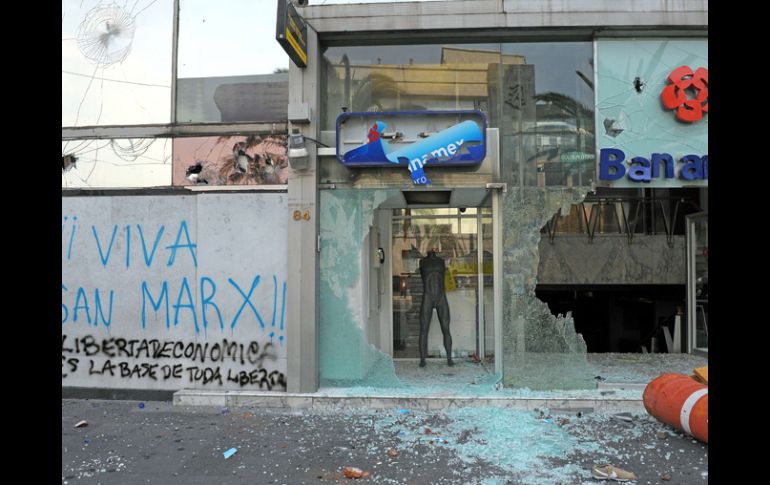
(631,75)
(116,62)
(231,160)
(116,163)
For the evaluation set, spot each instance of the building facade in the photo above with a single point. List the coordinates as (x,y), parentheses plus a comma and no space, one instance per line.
(237,281)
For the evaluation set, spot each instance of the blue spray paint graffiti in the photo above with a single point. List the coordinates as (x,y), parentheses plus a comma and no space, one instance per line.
(94,306)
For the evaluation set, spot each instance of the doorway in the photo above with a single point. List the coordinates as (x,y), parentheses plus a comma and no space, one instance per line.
(463,238)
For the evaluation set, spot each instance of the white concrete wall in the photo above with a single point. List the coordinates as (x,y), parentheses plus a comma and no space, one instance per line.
(221,259)
(487,14)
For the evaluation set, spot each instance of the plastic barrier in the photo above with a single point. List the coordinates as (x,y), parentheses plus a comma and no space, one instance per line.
(681,402)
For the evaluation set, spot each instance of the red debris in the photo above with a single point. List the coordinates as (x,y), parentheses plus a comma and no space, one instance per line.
(353,472)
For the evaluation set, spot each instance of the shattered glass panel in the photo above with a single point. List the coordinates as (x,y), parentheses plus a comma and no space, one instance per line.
(231,160)
(116,62)
(221,77)
(541,351)
(631,75)
(346,358)
(116,163)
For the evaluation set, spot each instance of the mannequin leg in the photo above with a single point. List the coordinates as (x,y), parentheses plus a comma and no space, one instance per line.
(443,317)
(426,313)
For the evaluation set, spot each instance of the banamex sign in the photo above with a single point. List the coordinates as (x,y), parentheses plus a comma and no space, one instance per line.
(687,95)
(417,139)
(681,113)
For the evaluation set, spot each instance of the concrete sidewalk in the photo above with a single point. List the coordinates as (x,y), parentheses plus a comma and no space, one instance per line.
(619,383)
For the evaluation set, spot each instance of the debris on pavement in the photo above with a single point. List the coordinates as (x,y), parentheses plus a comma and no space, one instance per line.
(609,472)
(141,405)
(81,424)
(353,472)
(702,374)
(227,454)
(662,434)
(665,477)
(392,453)
(623,417)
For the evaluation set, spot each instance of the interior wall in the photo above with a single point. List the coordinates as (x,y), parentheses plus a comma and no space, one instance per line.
(612,260)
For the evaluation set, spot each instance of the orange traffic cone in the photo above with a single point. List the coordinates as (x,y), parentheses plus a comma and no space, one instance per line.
(681,402)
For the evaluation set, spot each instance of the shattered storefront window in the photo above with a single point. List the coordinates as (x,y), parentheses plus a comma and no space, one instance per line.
(116,62)
(346,358)
(547,158)
(231,160)
(541,351)
(116,163)
(221,77)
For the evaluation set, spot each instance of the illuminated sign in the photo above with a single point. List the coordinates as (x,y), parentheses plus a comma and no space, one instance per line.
(417,139)
(291,33)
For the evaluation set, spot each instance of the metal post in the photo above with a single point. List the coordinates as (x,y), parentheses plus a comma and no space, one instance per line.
(480,284)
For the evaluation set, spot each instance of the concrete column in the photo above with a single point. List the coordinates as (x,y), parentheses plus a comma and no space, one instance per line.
(302,267)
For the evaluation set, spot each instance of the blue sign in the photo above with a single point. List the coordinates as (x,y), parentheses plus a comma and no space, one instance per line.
(460,143)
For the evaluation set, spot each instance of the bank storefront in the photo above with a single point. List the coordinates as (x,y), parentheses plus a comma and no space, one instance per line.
(397,181)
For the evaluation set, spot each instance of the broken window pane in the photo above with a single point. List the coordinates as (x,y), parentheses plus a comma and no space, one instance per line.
(230,66)
(116,163)
(231,160)
(116,62)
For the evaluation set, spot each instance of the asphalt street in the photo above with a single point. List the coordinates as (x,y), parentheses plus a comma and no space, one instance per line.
(132,442)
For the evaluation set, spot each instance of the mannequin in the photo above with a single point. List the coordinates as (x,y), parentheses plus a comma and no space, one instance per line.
(432,270)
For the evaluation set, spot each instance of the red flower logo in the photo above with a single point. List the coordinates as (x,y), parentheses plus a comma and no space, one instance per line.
(683,83)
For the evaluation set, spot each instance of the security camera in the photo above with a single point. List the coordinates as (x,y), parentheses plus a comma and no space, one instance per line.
(301,2)
(463,209)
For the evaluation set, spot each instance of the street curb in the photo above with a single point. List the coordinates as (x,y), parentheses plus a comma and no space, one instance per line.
(314,401)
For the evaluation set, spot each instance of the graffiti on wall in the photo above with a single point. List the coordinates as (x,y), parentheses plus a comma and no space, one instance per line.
(138,305)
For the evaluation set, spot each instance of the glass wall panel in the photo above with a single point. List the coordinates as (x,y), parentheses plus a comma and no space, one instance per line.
(116,163)
(116,62)
(539,96)
(222,77)
(546,114)
(231,160)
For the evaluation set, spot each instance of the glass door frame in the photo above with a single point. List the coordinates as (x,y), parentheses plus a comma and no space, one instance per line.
(480,295)
(692,298)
